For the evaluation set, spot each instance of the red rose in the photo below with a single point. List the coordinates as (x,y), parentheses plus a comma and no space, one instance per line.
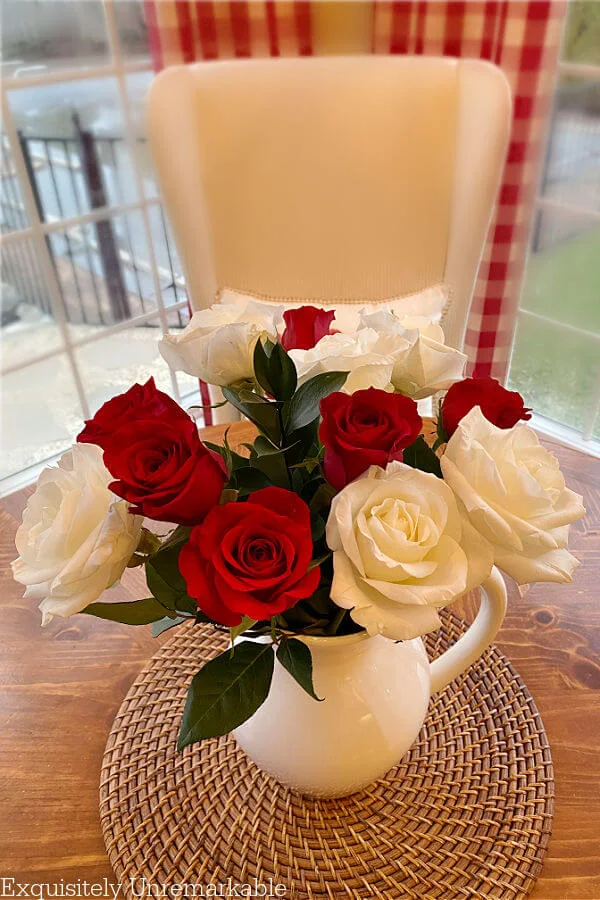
(305,327)
(367,428)
(252,558)
(164,470)
(142,401)
(500,407)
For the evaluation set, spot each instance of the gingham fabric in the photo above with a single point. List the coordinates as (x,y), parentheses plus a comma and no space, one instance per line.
(522,38)
(182,31)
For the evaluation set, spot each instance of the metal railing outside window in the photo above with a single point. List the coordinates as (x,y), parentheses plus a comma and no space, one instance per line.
(89,270)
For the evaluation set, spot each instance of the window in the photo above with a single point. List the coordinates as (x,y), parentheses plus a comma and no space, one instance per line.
(556,355)
(90,273)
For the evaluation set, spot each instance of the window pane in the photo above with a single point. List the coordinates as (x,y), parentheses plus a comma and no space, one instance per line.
(572,171)
(28,328)
(72,134)
(167,258)
(105,272)
(53,34)
(12,210)
(111,365)
(582,32)
(563,274)
(40,414)
(555,371)
(131,23)
(189,388)
(137,89)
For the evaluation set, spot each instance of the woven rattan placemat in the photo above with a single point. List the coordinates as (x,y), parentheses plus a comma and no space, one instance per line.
(467,813)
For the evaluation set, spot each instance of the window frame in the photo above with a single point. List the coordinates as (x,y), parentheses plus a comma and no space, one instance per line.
(119,68)
(572,437)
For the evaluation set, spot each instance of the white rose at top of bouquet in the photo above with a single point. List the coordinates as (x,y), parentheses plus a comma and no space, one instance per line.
(218,343)
(401,550)
(76,537)
(354,354)
(515,495)
(423,364)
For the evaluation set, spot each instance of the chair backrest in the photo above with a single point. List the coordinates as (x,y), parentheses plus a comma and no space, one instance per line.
(331,178)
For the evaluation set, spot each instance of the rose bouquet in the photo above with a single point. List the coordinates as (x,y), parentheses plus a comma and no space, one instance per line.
(338,517)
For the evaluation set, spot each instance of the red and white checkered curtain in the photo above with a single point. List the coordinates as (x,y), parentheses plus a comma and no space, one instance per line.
(182,31)
(522,38)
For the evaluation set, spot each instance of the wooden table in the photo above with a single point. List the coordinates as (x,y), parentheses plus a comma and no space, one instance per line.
(61,687)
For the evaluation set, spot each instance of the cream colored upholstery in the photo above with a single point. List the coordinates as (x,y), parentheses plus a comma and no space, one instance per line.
(333,178)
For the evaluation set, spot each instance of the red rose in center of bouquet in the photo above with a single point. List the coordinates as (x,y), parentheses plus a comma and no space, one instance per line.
(367,428)
(251,558)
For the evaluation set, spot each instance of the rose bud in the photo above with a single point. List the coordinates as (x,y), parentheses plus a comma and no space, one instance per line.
(304,327)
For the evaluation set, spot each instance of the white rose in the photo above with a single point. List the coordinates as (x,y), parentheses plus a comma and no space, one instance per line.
(347,353)
(218,343)
(423,364)
(515,495)
(76,537)
(401,550)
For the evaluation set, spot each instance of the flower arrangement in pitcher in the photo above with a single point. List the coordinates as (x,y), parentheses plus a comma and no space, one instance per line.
(338,517)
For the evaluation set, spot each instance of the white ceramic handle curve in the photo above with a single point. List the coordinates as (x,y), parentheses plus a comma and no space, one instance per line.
(477,637)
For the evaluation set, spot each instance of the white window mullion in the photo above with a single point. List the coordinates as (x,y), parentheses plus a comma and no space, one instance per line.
(39,242)
(96,215)
(115,48)
(542,203)
(99,335)
(61,75)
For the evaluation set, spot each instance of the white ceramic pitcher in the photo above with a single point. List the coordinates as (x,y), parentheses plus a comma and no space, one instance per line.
(376,696)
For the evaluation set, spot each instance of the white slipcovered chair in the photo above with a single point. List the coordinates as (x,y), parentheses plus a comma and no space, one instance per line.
(332,179)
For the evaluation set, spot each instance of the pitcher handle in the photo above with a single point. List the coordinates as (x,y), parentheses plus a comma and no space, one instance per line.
(477,637)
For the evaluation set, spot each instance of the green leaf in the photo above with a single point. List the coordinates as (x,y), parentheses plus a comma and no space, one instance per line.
(165,580)
(295,656)
(305,445)
(264,413)
(248,480)
(303,408)
(321,499)
(319,561)
(318,528)
(274,370)
(165,624)
(178,536)
(244,625)
(420,456)
(271,461)
(138,612)
(226,692)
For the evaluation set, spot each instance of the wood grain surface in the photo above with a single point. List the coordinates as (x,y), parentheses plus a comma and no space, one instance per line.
(61,686)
